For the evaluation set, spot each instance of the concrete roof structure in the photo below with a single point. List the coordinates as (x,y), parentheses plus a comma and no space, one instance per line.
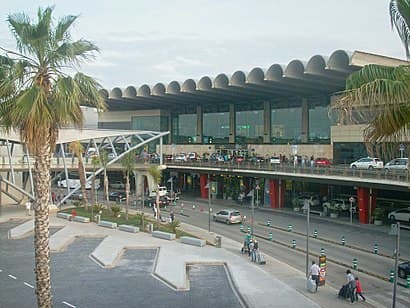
(320,75)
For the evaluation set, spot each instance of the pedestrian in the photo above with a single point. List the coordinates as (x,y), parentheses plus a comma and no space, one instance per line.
(255,250)
(250,248)
(359,290)
(171,215)
(28,208)
(351,284)
(314,272)
(154,209)
(54,197)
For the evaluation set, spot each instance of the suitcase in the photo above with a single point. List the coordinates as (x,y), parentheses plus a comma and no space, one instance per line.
(311,285)
(344,292)
(261,259)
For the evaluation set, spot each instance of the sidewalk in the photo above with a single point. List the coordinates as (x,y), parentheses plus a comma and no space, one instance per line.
(275,283)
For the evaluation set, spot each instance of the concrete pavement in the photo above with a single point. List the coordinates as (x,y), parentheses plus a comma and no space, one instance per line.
(274,284)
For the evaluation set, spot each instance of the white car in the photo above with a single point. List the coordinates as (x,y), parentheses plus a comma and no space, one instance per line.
(300,200)
(397,164)
(117,185)
(367,163)
(274,160)
(229,216)
(339,204)
(400,215)
(181,157)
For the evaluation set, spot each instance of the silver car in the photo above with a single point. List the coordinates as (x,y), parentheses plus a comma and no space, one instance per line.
(367,163)
(397,164)
(228,216)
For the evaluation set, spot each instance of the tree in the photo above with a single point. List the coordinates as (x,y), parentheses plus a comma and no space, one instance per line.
(156,175)
(104,162)
(38,98)
(379,95)
(128,164)
(77,149)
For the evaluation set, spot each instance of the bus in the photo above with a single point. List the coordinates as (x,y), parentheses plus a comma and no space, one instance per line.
(73,181)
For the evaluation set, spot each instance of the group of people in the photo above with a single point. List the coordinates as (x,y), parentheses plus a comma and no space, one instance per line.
(251,246)
(351,290)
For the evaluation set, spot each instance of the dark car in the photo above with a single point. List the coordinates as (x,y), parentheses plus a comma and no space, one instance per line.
(150,201)
(78,195)
(118,196)
(256,159)
(404,270)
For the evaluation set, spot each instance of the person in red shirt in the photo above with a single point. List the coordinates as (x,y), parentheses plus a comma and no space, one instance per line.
(358,289)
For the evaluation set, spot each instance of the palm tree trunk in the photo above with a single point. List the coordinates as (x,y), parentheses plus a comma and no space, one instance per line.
(41,228)
(127,195)
(81,173)
(106,197)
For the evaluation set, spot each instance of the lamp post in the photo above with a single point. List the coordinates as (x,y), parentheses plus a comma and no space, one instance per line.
(306,206)
(209,204)
(395,230)
(1,201)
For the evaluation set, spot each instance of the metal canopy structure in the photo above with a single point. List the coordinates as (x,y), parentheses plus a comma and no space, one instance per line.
(318,76)
(17,159)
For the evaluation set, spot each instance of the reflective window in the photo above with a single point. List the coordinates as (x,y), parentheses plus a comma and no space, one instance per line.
(249,126)
(216,127)
(319,125)
(184,128)
(286,125)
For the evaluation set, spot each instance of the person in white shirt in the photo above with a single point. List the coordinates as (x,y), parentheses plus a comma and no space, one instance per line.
(28,208)
(315,272)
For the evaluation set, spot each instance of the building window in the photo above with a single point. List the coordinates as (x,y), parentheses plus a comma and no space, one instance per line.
(319,125)
(216,127)
(249,126)
(184,129)
(286,125)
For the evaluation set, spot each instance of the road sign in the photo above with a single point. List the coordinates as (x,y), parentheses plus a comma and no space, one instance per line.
(402,147)
(351,199)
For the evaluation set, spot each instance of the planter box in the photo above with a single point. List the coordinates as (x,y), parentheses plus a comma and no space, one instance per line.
(334,215)
(378,222)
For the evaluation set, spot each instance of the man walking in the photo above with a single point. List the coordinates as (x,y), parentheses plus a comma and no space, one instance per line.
(28,208)
(314,272)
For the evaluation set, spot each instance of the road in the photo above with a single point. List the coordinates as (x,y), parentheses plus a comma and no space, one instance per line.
(372,268)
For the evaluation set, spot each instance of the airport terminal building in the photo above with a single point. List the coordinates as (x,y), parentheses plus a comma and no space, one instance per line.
(283,109)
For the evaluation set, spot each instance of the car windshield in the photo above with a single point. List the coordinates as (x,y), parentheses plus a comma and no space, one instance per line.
(235,213)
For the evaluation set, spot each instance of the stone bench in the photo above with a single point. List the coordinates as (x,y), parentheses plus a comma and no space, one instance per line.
(320,213)
(193,241)
(64,215)
(81,219)
(128,228)
(164,235)
(108,224)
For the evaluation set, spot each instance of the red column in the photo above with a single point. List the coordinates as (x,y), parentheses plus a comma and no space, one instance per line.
(272,194)
(203,181)
(282,193)
(363,204)
(277,193)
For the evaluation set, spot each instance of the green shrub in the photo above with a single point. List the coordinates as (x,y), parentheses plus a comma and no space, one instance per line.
(98,208)
(174,225)
(116,210)
(77,203)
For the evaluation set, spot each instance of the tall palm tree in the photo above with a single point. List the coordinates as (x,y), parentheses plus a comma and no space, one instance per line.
(104,162)
(77,149)
(37,97)
(128,163)
(156,175)
(380,95)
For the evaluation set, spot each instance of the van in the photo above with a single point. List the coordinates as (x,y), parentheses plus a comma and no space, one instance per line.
(162,191)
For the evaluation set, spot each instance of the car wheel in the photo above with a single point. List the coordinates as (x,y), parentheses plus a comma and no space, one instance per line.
(402,274)
(228,222)
(354,167)
(214,218)
(392,218)
(370,167)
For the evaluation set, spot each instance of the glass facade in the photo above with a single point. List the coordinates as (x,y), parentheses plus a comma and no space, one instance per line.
(319,125)
(184,128)
(286,125)
(249,126)
(154,123)
(216,127)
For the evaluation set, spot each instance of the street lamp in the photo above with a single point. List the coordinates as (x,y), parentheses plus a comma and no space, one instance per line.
(395,230)
(306,206)
(209,203)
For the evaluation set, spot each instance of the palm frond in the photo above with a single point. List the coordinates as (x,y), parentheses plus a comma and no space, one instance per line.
(400,19)
(61,32)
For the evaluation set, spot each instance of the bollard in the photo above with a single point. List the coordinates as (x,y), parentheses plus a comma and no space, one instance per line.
(408,282)
(268,223)
(193,206)
(315,233)
(241,228)
(294,244)
(322,251)
(289,228)
(391,279)
(343,240)
(271,236)
(354,263)
(249,229)
(376,249)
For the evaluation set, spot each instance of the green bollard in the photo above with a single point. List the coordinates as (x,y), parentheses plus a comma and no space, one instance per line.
(354,263)
(249,229)
(315,233)
(343,240)
(271,236)
(408,282)
(376,249)
(322,251)
(289,228)
(268,223)
(294,244)
(241,228)
(391,279)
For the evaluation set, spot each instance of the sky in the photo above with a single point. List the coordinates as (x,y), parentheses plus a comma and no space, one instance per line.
(151,41)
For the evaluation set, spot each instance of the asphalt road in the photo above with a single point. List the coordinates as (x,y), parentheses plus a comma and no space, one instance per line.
(340,257)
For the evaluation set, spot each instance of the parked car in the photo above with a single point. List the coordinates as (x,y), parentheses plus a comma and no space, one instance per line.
(111,156)
(181,157)
(228,216)
(367,163)
(404,270)
(216,157)
(154,158)
(274,160)
(397,164)
(117,185)
(256,159)
(299,201)
(193,156)
(78,195)
(339,204)
(400,215)
(117,196)
(322,162)
(239,159)
(150,201)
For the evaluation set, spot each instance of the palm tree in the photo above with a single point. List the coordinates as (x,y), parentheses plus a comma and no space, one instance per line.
(104,162)
(128,164)
(38,98)
(95,161)
(156,175)
(77,149)
(379,95)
